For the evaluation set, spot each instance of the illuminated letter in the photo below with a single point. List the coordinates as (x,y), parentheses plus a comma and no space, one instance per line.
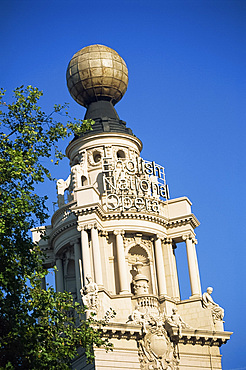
(123,184)
(154,206)
(108,185)
(163,191)
(121,163)
(111,206)
(132,168)
(148,169)
(139,203)
(144,185)
(126,203)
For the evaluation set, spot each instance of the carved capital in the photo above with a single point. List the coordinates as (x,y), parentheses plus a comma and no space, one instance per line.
(103,233)
(186,236)
(81,227)
(160,237)
(119,232)
(92,225)
(190,237)
(168,240)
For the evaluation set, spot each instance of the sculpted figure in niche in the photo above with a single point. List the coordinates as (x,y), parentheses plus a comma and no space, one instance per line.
(89,294)
(208,302)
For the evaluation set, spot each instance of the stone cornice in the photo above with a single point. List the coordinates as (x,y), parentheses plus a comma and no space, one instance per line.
(89,209)
(108,216)
(122,331)
(62,228)
(136,216)
(188,336)
(199,336)
(62,210)
(183,220)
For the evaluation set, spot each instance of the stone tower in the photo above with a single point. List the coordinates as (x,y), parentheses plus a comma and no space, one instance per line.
(114,235)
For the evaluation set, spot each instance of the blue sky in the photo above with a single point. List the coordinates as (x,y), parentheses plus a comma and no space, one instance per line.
(185,101)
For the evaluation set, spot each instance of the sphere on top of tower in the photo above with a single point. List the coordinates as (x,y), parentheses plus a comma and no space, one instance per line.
(95,73)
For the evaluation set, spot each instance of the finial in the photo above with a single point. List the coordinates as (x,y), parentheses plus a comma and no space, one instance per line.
(96,73)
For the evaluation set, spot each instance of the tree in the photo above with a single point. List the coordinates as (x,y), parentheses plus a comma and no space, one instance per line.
(37,330)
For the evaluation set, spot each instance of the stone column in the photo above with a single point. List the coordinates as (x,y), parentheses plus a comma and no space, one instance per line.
(77,256)
(171,268)
(193,266)
(103,236)
(86,260)
(161,279)
(175,273)
(124,286)
(153,278)
(59,276)
(96,256)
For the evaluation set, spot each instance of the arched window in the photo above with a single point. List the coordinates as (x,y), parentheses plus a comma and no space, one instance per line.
(121,154)
(84,181)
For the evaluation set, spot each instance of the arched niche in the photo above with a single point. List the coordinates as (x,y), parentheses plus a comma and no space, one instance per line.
(135,253)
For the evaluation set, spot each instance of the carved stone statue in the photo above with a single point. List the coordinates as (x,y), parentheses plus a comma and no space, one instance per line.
(61,186)
(208,303)
(89,294)
(140,282)
(139,319)
(176,320)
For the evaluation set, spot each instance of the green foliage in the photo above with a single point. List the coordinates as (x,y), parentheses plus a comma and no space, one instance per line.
(38,329)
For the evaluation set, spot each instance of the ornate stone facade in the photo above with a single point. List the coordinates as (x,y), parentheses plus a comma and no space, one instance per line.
(114,239)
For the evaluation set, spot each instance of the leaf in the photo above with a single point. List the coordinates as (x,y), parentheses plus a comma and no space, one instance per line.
(34,322)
